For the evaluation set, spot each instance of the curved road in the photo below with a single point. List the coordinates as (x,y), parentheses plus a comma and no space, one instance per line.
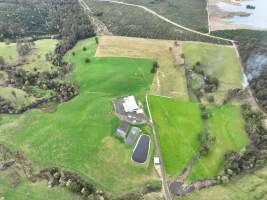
(166,19)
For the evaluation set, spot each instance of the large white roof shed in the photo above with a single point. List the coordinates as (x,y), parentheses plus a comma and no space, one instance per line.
(130,104)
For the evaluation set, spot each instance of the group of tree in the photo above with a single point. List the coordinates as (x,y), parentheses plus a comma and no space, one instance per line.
(254,155)
(259,86)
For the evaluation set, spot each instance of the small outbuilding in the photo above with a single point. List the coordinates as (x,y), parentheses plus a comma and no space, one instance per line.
(156,160)
(122,130)
(132,136)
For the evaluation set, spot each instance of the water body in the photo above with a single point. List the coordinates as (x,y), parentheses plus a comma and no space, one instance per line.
(257,18)
(141,151)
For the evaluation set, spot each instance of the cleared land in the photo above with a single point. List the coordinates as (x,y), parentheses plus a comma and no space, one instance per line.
(247,187)
(33,191)
(178,124)
(217,61)
(78,134)
(189,13)
(227,125)
(131,21)
(17,97)
(169,80)
(37,57)
(8,52)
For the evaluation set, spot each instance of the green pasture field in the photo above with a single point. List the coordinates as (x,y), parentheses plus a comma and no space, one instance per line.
(78,136)
(227,125)
(218,61)
(177,123)
(36,57)
(26,190)
(17,97)
(189,13)
(247,187)
(8,52)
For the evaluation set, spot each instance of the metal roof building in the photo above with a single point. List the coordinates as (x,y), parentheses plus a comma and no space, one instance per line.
(130,104)
(132,136)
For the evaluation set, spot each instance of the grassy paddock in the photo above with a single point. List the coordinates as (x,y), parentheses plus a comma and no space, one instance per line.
(218,61)
(246,187)
(8,52)
(78,135)
(33,191)
(36,57)
(227,125)
(178,124)
(169,80)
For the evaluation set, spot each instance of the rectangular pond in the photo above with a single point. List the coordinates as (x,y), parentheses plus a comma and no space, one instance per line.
(141,150)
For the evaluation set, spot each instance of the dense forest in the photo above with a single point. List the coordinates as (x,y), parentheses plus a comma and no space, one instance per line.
(24,18)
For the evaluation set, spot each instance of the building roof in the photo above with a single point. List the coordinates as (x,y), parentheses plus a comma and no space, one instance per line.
(156,160)
(130,104)
(122,130)
(132,136)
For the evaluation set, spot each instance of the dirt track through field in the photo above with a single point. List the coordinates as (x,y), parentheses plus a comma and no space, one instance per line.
(166,19)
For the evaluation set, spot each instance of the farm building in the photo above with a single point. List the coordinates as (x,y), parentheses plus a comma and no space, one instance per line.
(130,104)
(132,136)
(128,110)
(122,130)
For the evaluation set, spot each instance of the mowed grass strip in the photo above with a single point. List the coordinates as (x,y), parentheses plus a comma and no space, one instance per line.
(178,124)
(169,80)
(217,61)
(78,135)
(227,125)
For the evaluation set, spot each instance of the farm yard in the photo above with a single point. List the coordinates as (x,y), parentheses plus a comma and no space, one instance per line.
(169,79)
(78,133)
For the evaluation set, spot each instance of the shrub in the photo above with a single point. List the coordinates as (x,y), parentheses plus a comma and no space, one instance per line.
(87,60)
(84,48)
(96,40)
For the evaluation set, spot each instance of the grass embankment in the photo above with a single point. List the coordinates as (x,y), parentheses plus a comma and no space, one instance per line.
(247,187)
(217,61)
(227,126)
(178,124)
(169,80)
(78,135)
